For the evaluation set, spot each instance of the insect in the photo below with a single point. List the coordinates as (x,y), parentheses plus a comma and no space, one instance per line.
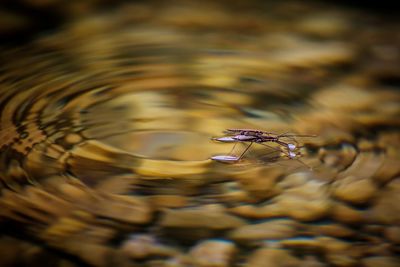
(286,143)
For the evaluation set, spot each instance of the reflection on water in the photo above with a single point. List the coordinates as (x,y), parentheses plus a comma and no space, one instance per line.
(106,127)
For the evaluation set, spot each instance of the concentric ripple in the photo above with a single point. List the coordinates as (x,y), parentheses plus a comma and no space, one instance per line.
(106,127)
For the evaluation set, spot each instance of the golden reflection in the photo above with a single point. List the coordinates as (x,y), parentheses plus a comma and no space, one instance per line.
(109,117)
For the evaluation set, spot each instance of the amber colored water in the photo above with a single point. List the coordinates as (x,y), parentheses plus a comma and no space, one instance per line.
(106,125)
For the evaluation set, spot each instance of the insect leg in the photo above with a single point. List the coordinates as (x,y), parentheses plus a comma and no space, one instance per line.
(288,134)
(233,148)
(247,148)
(274,148)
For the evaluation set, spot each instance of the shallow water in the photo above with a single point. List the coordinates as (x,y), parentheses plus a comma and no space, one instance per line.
(106,127)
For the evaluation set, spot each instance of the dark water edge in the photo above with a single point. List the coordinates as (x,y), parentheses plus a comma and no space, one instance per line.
(28,19)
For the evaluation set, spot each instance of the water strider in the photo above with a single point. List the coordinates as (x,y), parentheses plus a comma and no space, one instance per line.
(287,149)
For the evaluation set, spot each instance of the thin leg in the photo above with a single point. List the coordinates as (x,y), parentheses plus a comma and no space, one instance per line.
(284,134)
(247,148)
(308,167)
(233,148)
(274,148)
(288,134)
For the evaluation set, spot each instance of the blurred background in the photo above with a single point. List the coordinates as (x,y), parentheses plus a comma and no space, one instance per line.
(108,108)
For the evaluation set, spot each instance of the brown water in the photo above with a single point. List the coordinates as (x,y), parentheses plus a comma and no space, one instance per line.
(106,125)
